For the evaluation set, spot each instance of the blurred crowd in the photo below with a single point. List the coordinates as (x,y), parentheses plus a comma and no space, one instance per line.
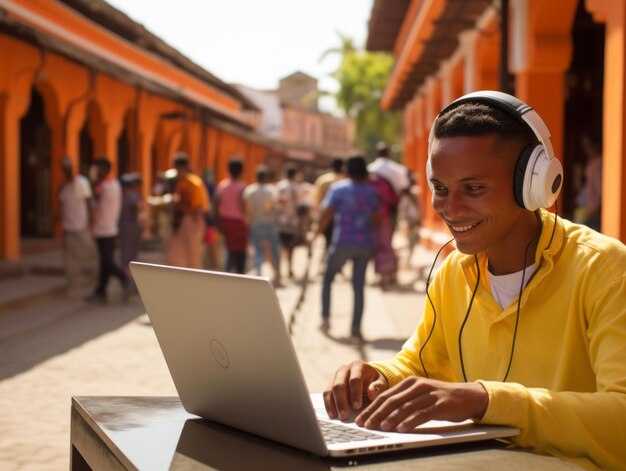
(229,225)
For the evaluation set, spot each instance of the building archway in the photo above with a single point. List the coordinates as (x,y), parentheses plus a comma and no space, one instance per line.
(583,104)
(35,173)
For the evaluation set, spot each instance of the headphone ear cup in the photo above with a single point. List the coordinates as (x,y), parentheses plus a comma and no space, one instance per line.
(520,172)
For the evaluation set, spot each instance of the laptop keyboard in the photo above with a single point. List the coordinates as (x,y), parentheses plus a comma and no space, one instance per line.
(338,433)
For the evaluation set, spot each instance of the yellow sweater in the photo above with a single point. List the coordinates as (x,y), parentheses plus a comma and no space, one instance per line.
(567,383)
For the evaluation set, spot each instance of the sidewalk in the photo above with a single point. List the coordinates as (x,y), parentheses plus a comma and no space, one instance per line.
(69,348)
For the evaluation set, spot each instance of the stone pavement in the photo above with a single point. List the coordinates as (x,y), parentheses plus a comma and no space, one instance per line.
(59,347)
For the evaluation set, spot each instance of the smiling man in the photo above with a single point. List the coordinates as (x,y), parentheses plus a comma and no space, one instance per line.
(525,323)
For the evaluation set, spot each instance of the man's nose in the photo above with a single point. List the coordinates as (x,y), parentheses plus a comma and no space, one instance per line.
(453,206)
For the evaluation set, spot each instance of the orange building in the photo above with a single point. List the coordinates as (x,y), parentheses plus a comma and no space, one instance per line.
(566,58)
(80,78)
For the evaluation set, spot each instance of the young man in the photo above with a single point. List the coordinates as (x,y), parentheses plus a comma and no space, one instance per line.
(260,201)
(231,218)
(321,186)
(525,323)
(291,198)
(353,205)
(191,203)
(105,229)
(74,199)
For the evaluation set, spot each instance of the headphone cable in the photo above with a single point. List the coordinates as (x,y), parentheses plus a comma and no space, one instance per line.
(432,328)
(469,308)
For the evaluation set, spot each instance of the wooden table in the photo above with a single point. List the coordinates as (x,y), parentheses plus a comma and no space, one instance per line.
(155,433)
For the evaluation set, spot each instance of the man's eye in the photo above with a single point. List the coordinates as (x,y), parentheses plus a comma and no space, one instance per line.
(473,188)
(439,188)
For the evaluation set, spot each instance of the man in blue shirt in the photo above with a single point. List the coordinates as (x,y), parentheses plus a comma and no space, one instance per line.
(354,207)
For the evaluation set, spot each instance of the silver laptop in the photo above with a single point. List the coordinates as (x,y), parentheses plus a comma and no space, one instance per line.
(228,349)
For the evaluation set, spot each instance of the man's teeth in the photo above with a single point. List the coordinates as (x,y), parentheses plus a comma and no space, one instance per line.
(463,228)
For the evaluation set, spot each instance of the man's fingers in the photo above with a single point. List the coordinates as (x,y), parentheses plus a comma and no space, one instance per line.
(391,406)
(340,392)
(356,386)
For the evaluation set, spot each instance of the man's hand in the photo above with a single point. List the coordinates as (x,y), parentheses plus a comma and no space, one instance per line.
(349,385)
(416,400)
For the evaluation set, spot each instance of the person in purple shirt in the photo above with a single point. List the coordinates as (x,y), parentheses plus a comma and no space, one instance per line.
(353,205)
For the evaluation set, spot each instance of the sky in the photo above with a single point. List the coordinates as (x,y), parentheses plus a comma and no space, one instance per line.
(256,42)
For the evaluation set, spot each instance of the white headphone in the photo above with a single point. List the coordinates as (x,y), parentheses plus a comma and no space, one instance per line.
(538,175)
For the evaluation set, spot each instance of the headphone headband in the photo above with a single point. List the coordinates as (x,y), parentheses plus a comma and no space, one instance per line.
(512,106)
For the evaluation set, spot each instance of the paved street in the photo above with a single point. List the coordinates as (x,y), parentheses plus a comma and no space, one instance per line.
(61,347)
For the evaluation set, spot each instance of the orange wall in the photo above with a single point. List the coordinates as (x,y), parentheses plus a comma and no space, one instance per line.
(74,96)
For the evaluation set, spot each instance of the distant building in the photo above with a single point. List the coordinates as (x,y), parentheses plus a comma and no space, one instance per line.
(297,131)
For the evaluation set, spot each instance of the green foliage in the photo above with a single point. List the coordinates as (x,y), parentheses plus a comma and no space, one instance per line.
(362,78)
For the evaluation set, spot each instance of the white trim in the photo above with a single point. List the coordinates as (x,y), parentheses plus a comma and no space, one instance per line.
(518,40)
(468,45)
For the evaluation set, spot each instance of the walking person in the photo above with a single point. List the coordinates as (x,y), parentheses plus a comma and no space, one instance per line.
(260,201)
(391,180)
(385,258)
(321,186)
(354,206)
(292,205)
(211,259)
(230,216)
(131,218)
(74,209)
(191,203)
(105,229)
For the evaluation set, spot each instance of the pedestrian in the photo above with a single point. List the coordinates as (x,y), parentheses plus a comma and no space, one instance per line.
(321,186)
(132,219)
(391,180)
(107,207)
(210,236)
(525,322)
(261,200)
(385,258)
(354,206)
(391,171)
(190,203)
(230,216)
(74,209)
(292,205)
(589,197)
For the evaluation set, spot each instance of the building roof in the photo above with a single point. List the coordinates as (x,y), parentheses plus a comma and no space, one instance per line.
(388,22)
(112,19)
(384,24)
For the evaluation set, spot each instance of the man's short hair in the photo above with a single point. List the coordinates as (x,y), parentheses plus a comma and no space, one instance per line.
(235,166)
(479,119)
(181,159)
(66,162)
(263,173)
(337,164)
(356,167)
(103,163)
(382,150)
(291,172)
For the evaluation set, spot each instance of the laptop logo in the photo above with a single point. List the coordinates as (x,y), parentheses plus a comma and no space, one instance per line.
(219,354)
